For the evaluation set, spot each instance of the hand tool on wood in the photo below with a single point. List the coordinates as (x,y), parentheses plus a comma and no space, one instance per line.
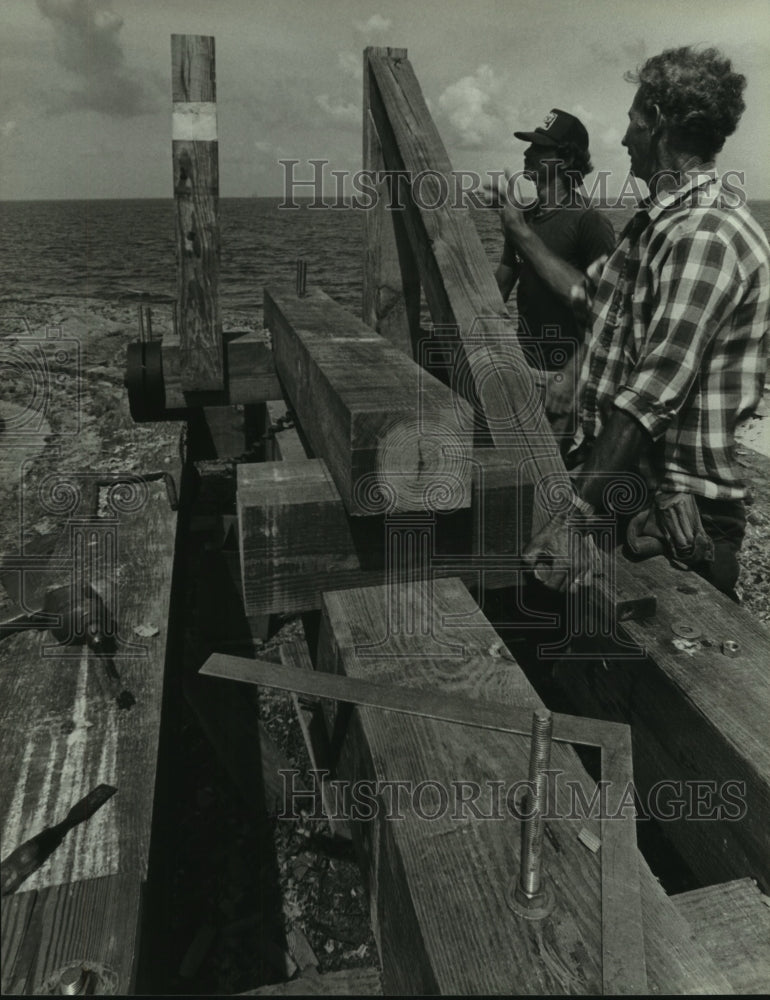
(76,615)
(27,858)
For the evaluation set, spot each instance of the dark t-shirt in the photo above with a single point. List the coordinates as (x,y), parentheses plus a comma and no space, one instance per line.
(548,331)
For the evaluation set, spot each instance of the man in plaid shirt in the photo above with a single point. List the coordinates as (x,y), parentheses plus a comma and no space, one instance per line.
(677,349)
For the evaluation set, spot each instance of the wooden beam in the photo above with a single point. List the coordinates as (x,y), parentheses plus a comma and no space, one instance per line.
(391,299)
(697,716)
(294,536)
(64,733)
(284,442)
(93,922)
(434,885)
(250,375)
(196,193)
(733,922)
(488,367)
(390,433)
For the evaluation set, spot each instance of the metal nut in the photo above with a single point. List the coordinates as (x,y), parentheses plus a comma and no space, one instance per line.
(730,647)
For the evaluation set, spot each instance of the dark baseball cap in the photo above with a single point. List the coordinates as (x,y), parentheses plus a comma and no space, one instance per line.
(558,127)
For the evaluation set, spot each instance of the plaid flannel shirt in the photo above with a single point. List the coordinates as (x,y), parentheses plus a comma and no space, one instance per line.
(679,335)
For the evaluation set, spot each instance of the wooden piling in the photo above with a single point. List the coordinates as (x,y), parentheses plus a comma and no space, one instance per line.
(196,194)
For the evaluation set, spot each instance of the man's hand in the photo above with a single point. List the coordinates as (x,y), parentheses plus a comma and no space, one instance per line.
(563,557)
(582,294)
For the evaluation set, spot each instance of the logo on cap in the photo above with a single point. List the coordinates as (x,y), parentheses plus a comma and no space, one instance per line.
(549,119)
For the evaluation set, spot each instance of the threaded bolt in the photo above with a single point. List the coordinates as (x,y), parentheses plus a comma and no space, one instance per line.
(75,981)
(532,832)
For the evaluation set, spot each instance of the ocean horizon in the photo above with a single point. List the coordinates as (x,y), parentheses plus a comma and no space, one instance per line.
(125,248)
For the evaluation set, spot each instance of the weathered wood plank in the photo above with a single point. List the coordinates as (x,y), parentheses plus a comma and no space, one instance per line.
(733,921)
(391,285)
(284,443)
(63,733)
(250,375)
(489,366)
(93,922)
(195,152)
(699,718)
(293,535)
(389,433)
(438,889)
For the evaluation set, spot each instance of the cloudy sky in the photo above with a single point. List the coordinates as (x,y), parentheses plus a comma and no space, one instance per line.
(85,84)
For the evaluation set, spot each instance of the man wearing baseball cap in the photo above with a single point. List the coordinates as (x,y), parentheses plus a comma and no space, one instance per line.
(575,234)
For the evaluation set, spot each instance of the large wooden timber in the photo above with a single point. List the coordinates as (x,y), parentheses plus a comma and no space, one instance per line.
(250,375)
(486,363)
(63,734)
(438,888)
(391,293)
(293,535)
(733,921)
(195,152)
(393,437)
(698,717)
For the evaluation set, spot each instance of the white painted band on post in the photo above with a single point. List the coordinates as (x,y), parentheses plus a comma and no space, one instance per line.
(194,121)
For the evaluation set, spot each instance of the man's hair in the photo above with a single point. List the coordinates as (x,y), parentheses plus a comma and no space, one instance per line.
(699,95)
(577,162)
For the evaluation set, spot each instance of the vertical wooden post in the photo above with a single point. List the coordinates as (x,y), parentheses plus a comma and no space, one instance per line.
(196,193)
(391,300)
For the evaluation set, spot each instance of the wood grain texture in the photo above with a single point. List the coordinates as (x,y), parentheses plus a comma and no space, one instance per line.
(196,194)
(733,921)
(94,922)
(293,535)
(284,442)
(390,434)
(489,367)
(391,286)
(438,888)
(250,375)
(63,734)
(697,716)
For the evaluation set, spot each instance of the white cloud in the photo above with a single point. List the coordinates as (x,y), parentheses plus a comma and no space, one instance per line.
(376,23)
(8,128)
(87,44)
(346,114)
(351,65)
(472,106)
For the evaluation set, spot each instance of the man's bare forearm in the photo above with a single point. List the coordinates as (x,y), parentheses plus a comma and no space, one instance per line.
(616,450)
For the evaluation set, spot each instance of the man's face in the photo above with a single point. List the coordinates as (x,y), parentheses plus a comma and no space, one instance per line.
(536,158)
(638,142)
